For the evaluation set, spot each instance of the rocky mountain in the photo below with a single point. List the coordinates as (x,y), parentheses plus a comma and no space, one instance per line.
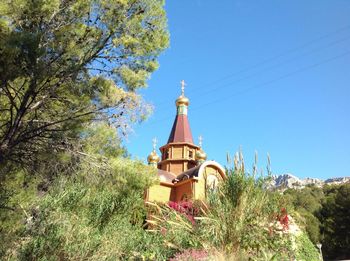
(290,181)
(338,180)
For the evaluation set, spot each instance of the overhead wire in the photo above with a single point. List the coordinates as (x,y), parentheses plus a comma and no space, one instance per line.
(265,61)
(289,51)
(273,66)
(305,68)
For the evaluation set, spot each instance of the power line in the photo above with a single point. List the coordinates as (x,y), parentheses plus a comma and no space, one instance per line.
(274,66)
(305,68)
(285,53)
(294,49)
(277,79)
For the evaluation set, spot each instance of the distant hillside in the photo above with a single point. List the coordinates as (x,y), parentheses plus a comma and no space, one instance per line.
(290,181)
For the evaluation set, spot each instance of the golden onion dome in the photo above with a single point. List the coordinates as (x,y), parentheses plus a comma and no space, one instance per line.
(182,100)
(153,157)
(201,155)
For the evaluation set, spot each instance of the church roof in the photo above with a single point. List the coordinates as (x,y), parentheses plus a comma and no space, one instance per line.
(166,176)
(193,172)
(181,131)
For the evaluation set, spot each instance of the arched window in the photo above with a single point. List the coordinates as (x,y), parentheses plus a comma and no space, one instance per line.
(212,182)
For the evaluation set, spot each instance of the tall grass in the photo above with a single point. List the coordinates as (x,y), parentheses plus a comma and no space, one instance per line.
(241,216)
(96,214)
(239,220)
(99,213)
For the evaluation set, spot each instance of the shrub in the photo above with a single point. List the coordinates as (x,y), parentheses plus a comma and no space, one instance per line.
(242,215)
(95,214)
(305,250)
(239,217)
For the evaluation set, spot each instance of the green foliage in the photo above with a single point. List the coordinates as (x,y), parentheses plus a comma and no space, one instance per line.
(305,249)
(307,202)
(241,216)
(311,224)
(178,231)
(16,197)
(97,213)
(335,220)
(324,212)
(308,198)
(239,219)
(92,209)
(94,214)
(65,63)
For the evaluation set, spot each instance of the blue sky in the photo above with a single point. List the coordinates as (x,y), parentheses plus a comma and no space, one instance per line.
(271,76)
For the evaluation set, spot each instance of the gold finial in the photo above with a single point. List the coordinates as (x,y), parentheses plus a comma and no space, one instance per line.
(183,84)
(182,100)
(201,156)
(200,141)
(153,158)
(154,142)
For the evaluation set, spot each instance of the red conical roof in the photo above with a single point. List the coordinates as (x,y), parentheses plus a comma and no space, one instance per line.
(181,131)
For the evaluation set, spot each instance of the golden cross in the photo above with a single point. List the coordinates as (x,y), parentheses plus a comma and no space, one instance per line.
(154,141)
(183,84)
(200,139)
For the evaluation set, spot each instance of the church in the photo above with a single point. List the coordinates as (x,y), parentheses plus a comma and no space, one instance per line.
(183,169)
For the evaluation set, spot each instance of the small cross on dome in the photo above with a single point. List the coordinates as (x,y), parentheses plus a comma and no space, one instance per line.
(183,84)
(154,142)
(200,140)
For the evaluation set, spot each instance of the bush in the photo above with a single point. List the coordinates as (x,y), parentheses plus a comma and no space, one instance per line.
(307,203)
(96,214)
(305,249)
(243,216)
(335,222)
(239,217)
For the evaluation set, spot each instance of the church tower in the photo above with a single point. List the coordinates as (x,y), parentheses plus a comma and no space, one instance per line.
(179,154)
(183,170)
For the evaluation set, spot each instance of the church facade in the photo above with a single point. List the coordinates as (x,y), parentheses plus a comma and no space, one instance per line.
(183,170)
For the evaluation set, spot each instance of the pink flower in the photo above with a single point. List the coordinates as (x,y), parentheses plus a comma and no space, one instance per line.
(186,208)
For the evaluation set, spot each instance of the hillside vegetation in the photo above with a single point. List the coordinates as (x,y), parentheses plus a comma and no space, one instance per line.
(325,214)
(97,212)
(70,71)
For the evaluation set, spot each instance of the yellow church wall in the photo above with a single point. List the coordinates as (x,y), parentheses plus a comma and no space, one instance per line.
(159,193)
(193,188)
(200,187)
(184,191)
(211,170)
